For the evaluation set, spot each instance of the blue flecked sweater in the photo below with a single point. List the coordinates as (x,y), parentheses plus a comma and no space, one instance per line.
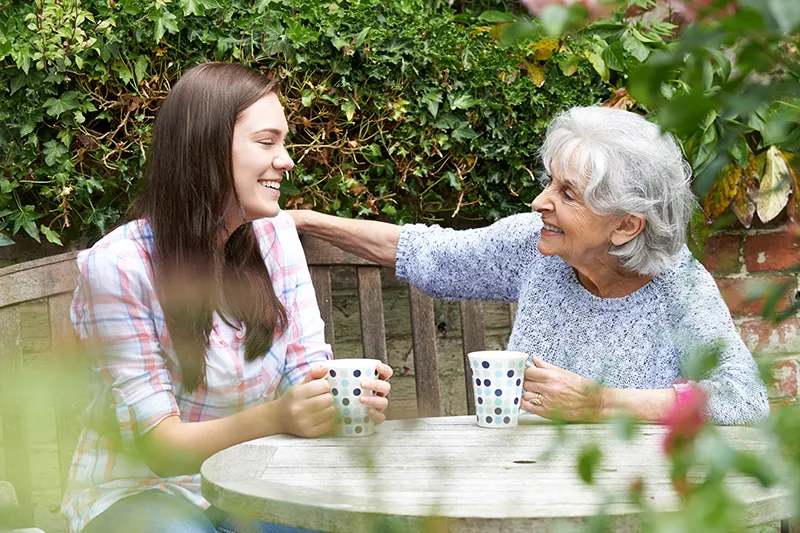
(640,341)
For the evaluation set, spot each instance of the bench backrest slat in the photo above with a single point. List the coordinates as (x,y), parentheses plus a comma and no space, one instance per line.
(15,429)
(321,279)
(370,297)
(473,340)
(423,340)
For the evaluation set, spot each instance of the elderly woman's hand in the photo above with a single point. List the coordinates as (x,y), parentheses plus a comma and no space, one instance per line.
(553,392)
(379,402)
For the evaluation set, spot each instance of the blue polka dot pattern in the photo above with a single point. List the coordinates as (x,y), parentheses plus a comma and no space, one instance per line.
(352,417)
(497,400)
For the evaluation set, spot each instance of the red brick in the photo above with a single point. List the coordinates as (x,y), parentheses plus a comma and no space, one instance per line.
(721,255)
(772,251)
(763,336)
(736,293)
(785,379)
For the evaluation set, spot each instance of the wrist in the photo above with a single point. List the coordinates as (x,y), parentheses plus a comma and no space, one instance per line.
(607,402)
(273,418)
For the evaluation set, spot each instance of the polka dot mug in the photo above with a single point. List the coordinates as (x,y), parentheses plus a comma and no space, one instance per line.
(497,378)
(345,377)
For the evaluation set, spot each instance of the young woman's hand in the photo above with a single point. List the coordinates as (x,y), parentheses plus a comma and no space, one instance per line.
(378,402)
(306,410)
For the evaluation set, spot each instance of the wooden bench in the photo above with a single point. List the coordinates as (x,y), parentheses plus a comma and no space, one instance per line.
(50,282)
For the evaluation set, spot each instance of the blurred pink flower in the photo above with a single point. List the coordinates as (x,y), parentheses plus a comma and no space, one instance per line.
(685,419)
(596,8)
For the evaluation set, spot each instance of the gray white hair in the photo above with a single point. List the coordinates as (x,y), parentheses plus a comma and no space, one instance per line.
(632,167)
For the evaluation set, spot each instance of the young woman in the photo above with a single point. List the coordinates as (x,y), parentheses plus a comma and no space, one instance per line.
(202,316)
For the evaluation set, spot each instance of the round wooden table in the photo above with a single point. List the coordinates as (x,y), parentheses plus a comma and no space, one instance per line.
(448,475)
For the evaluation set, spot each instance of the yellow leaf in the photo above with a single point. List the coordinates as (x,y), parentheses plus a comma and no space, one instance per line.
(477,30)
(542,50)
(775,185)
(497,30)
(536,73)
(744,203)
(723,191)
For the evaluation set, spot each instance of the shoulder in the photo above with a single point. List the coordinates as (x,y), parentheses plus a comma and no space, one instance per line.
(130,244)
(278,239)
(122,256)
(690,290)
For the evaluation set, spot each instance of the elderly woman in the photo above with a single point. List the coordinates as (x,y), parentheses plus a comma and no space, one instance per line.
(610,299)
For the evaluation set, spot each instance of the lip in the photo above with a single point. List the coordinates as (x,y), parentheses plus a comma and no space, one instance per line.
(276,190)
(546,231)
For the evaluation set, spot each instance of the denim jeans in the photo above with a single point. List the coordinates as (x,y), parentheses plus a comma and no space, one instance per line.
(154,511)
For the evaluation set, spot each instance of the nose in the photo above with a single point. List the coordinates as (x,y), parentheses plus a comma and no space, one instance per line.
(542,202)
(283,161)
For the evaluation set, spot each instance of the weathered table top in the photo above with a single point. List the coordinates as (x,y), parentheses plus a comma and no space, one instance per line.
(470,479)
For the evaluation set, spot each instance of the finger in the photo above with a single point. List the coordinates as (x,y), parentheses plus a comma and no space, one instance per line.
(377,416)
(532,386)
(543,364)
(529,396)
(322,416)
(537,374)
(379,403)
(322,428)
(535,409)
(385,371)
(381,388)
(314,388)
(315,372)
(318,403)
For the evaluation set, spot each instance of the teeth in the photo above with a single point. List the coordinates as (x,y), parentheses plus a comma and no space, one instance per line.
(271,185)
(552,228)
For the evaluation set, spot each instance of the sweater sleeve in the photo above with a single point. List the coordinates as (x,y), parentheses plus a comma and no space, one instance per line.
(736,393)
(478,264)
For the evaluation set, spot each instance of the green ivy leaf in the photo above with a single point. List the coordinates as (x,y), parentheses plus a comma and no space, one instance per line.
(166,22)
(17,82)
(140,68)
(464,101)
(26,219)
(55,106)
(51,235)
(53,151)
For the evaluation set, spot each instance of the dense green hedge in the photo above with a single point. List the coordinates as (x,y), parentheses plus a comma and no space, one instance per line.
(396,109)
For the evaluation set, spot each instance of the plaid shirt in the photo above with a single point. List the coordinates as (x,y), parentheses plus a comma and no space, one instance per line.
(137,376)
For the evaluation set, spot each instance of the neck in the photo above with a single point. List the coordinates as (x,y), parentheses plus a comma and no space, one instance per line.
(610,280)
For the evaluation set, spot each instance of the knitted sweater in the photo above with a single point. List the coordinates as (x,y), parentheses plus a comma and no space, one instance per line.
(640,341)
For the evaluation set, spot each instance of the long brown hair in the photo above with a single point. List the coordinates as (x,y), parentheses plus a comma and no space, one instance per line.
(189,189)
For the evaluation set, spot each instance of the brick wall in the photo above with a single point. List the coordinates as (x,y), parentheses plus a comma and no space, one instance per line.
(745,262)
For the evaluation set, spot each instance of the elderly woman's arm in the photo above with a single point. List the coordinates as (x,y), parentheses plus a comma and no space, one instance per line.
(372,240)
(551,391)
(477,264)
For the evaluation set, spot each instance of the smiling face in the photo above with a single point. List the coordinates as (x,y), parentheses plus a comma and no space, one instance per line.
(259,159)
(571,229)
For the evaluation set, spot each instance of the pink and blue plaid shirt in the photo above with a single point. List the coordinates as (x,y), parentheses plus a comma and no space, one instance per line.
(137,374)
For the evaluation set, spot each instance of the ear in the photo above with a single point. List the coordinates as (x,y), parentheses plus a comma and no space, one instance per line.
(627,228)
